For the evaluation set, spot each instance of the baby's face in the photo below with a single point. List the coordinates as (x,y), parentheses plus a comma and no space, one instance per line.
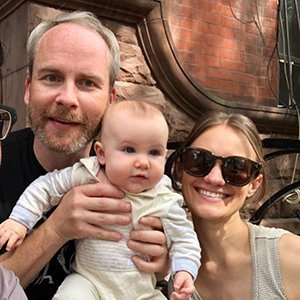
(135,151)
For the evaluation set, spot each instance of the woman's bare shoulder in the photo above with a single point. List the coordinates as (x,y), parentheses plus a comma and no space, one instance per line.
(289,250)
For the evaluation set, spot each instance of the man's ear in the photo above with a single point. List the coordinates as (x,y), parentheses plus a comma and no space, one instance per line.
(254,185)
(112,96)
(99,150)
(27,90)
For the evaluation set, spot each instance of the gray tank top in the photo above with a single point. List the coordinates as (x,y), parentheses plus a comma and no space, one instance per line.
(264,243)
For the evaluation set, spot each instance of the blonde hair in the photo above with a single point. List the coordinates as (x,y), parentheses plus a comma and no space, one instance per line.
(137,108)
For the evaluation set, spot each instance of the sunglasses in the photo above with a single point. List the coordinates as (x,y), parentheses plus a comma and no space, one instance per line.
(236,170)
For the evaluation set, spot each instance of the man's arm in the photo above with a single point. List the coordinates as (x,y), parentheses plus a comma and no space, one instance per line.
(81,214)
(78,216)
(35,252)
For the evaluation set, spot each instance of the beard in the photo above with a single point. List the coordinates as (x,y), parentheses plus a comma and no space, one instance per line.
(69,141)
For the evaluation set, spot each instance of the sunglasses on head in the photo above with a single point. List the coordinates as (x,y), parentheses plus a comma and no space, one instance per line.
(236,170)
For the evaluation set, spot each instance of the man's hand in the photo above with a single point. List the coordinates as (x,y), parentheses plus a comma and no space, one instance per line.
(152,243)
(85,209)
(80,214)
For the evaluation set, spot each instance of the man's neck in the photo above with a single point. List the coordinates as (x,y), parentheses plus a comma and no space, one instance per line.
(51,160)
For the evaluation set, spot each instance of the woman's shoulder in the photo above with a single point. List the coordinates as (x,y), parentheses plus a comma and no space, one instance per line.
(266,232)
(290,244)
(290,264)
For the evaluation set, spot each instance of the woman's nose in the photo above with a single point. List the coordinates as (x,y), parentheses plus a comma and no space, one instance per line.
(215,177)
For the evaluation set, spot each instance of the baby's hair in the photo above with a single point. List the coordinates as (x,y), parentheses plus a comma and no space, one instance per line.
(136,106)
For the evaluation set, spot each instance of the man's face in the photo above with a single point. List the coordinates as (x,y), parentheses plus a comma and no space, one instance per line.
(69,89)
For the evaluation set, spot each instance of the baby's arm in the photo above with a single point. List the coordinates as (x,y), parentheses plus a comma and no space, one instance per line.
(13,233)
(183,286)
(35,200)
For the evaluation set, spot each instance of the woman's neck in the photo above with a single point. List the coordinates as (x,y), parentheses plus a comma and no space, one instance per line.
(218,239)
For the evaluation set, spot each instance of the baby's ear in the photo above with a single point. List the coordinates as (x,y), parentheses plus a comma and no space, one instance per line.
(99,150)
(255,185)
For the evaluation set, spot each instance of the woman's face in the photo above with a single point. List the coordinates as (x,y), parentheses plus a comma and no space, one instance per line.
(210,197)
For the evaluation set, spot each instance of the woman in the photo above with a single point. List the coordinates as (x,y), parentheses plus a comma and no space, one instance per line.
(218,168)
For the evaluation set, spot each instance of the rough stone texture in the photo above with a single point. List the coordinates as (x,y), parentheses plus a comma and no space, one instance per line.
(135,81)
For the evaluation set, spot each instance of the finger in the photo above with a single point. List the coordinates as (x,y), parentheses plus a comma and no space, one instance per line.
(188,290)
(177,296)
(153,222)
(144,266)
(152,250)
(77,198)
(12,242)
(4,238)
(100,233)
(148,236)
(102,219)
(102,190)
(108,205)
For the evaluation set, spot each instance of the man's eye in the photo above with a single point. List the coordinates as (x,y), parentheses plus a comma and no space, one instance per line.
(87,83)
(129,149)
(155,152)
(52,78)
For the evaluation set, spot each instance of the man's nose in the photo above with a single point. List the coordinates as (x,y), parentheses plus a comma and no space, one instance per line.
(68,95)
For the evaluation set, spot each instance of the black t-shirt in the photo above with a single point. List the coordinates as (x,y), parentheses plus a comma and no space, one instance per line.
(18,169)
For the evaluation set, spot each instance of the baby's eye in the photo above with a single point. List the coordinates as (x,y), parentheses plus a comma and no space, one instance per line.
(129,149)
(155,152)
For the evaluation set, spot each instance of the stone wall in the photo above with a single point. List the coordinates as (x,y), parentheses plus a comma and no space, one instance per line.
(135,81)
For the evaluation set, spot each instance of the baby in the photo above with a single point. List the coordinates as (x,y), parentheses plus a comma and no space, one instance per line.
(131,156)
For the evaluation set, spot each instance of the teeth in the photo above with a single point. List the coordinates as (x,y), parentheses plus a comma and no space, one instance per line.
(211,194)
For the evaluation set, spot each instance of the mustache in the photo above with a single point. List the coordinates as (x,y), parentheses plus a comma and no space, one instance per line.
(65,114)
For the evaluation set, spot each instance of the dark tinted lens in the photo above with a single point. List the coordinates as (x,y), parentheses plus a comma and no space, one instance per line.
(197,162)
(238,171)
(5,123)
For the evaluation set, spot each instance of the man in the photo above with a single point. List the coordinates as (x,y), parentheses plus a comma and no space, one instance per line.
(9,283)
(73,63)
